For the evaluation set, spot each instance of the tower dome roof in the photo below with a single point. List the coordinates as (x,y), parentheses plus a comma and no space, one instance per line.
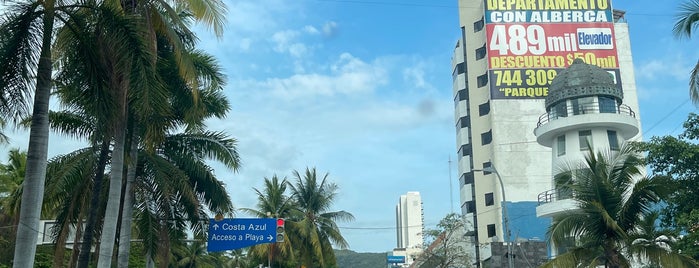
(580,80)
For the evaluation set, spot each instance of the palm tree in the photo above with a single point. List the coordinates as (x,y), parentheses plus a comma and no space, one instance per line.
(12,173)
(69,180)
(147,96)
(11,177)
(101,53)
(686,23)
(313,228)
(25,51)
(192,255)
(175,187)
(273,201)
(160,20)
(186,111)
(613,203)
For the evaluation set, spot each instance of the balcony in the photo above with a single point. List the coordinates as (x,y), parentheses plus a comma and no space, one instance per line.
(555,201)
(563,118)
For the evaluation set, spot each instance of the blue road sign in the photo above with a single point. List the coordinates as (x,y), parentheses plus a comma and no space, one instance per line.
(229,234)
(395,259)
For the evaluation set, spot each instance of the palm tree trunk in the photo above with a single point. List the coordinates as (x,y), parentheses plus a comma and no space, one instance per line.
(86,246)
(127,210)
(59,251)
(37,153)
(76,242)
(111,214)
(150,262)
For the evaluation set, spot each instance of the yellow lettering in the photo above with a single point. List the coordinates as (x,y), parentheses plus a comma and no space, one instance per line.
(602,4)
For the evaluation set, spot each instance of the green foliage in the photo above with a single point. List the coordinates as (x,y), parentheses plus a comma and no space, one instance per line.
(311,227)
(678,158)
(447,244)
(685,24)
(350,259)
(614,221)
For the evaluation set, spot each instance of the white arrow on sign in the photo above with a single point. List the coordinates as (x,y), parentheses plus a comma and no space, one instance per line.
(270,237)
(215,226)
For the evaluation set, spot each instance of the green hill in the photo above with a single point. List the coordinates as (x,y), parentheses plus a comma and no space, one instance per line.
(351,259)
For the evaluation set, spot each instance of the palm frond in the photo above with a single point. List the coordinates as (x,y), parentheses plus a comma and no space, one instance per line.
(20,41)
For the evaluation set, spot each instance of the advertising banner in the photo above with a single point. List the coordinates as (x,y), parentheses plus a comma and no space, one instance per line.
(530,41)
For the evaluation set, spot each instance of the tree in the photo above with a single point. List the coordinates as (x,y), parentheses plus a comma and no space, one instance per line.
(613,201)
(684,26)
(448,244)
(11,177)
(678,158)
(273,201)
(26,32)
(160,20)
(313,228)
(192,255)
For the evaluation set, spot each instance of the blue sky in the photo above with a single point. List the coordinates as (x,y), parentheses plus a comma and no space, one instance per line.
(362,90)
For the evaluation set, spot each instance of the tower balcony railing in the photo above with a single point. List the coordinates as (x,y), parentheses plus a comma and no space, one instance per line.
(591,108)
(554,195)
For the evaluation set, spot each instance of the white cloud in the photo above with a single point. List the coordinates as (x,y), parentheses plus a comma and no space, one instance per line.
(330,29)
(416,76)
(660,68)
(348,76)
(310,29)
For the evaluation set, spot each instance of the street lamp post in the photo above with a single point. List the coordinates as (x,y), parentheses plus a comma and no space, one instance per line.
(506,226)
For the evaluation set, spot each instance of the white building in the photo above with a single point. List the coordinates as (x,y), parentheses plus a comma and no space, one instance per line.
(409,226)
(502,67)
(584,110)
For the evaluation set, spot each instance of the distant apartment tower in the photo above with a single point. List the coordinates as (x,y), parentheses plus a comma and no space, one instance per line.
(503,64)
(409,221)
(409,228)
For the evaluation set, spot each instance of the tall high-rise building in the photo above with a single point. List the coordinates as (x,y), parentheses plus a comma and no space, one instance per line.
(409,226)
(503,64)
(409,221)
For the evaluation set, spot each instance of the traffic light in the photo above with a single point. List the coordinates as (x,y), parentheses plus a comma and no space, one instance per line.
(280,230)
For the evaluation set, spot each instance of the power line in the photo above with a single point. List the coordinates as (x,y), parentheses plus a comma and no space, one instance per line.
(666,116)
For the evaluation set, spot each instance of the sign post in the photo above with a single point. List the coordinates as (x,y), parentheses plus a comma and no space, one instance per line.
(391,259)
(229,234)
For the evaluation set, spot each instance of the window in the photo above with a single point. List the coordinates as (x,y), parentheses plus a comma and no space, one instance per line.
(487,138)
(491,230)
(484,108)
(463,122)
(462,95)
(458,69)
(470,207)
(467,178)
(582,105)
(613,140)
(465,150)
(482,80)
(559,110)
(607,105)
(478,25)
(480,52)
(561,145)
(585,137)
(489,200)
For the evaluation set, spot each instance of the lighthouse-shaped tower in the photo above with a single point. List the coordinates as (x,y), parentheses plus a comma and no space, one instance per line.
(584,106)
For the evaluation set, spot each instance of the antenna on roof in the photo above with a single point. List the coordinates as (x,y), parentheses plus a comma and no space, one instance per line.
(451,191)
